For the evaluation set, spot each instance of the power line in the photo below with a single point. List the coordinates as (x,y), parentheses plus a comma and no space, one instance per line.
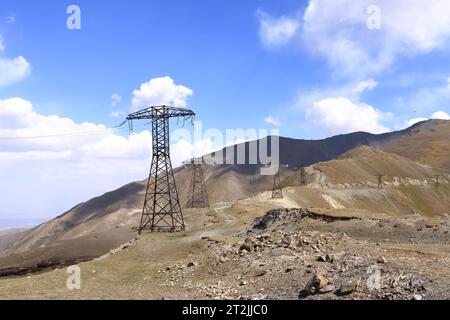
(61,135)
(68,134)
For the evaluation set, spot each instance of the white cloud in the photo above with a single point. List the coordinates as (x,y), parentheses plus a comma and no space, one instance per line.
(60,163)
(37,156)
(440,115)
(115,99)
(11,19)
(340,110)
(113,146)
(183,150)
(18,119)
(340,115)
(352,91)
(337,30)
(160,91)
(273,121)
(412,122)
(276,32)
(12,69)
(366,85)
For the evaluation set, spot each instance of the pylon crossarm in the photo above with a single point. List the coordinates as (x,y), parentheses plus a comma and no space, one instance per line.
(161,112)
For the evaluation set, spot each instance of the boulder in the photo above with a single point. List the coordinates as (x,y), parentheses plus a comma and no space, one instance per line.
(348,287)
(381,259)
(247,245)
(316,283)
(327,288)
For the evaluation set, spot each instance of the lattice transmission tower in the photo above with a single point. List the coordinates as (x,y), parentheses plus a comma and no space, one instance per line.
(302,176)
(198,196)
(162,210)
(277,191)
(380,180)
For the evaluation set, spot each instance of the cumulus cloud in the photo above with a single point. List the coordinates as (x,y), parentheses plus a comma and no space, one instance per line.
(276,32)
(273,121)
(58,162)
(439,115)
(19,119)
(412,122)
(12,69)
(341,115)
(185,150)
(160,91)
(337,31)
(340,110)
(353,91)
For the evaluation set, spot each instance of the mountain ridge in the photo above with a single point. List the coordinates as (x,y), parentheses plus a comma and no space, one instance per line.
(110,217)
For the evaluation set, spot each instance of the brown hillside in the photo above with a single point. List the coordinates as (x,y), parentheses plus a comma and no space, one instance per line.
(427,142)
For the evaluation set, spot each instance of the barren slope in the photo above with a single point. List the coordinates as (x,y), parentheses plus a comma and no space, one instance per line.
(347,182)
(427,142)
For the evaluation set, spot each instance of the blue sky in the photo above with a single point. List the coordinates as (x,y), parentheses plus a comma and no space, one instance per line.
(310,69)
(211,47)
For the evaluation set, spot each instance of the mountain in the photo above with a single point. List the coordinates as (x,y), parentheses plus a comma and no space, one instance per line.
(404,157)
(351,182)
(365,163)
(426,142)
(9,235)
(10,231)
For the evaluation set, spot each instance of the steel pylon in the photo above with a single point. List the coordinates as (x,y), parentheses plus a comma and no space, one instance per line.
(302,176)
(198,196)
(380,180)
(277,191)
(162,210)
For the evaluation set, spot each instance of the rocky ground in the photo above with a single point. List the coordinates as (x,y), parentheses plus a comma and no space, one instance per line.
(284,254)
(279,258)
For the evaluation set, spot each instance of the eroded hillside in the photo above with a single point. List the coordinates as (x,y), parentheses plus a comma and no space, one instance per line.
(346,183)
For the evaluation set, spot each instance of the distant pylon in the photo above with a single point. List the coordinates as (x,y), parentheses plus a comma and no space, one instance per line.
(302,176)
(277,191)
(162,210)
(253,185)
(198,196)
(380,180)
